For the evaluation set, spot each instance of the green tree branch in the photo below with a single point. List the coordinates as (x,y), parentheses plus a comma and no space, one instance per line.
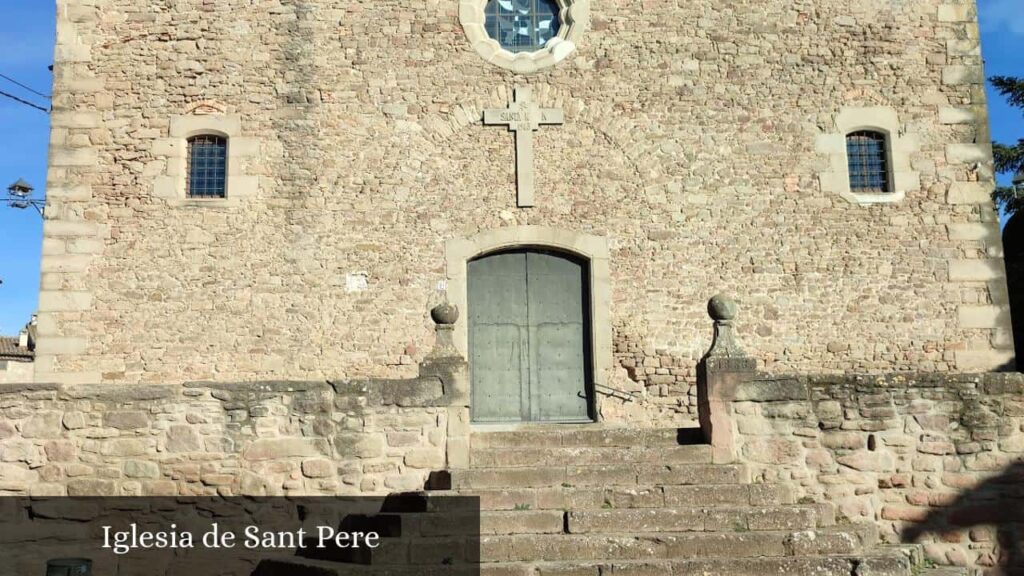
(1009,158)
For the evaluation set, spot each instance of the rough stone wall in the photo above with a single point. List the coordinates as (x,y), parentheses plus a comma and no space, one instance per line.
(271,438)
(689,142)
(930,457)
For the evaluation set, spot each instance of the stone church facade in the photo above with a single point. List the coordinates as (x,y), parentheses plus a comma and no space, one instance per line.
(412,244)
(701,147)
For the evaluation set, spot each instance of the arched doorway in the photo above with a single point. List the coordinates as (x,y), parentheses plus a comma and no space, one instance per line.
(529,339)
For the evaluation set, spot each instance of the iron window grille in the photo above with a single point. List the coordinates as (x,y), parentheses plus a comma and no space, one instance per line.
(207,166)
(522,25)
(868,158)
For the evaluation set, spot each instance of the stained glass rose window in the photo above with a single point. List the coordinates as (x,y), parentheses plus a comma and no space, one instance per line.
(522,25)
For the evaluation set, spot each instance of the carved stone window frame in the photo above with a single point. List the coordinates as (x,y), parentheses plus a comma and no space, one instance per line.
(575,20)
(899,147)
(241,156)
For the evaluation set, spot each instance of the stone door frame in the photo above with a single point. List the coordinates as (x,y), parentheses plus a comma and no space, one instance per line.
(593,249)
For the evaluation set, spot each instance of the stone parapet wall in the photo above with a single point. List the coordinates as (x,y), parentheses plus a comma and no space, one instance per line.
(932,458)
(265,438)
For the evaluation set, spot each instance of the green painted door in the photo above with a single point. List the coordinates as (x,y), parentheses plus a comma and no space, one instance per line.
(529,338)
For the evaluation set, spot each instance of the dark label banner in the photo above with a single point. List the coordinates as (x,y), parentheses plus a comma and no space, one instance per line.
(405,534)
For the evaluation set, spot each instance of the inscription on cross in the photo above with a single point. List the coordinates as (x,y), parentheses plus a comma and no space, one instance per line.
(523,116)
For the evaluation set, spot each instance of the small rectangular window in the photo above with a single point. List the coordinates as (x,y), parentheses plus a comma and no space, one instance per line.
(868,158)
(207,167)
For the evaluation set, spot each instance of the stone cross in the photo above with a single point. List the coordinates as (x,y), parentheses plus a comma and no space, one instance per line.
(523,116)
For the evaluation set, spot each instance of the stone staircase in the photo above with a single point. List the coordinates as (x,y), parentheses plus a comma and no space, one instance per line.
(594,502)
(583,501)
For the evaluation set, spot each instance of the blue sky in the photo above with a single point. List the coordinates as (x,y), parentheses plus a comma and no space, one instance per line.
(26,49)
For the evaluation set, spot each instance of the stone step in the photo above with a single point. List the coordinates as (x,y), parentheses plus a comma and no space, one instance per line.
(946,571)
(668,546)
(551,436)
(588,498)
(873,565)
(304,567)
(587,455)
(695,519)
(817,553)
(882,564)
(743,519)
(522,522)
(647,550)
(599,476)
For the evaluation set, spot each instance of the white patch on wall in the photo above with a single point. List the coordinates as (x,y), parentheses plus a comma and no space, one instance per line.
(442,285)
(357,282)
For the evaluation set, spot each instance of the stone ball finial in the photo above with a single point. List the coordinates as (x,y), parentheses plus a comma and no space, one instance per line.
(444,314)
(722,308)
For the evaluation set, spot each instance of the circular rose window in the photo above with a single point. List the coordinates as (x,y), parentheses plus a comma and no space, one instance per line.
(524,35)
(522,25)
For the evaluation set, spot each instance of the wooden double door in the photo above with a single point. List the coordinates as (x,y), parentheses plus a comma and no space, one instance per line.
(529,337)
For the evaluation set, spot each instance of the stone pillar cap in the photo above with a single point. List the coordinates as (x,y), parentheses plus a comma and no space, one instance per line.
(444,314)
(722,307)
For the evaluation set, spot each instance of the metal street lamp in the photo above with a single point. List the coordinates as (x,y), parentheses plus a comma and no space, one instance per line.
(19,195)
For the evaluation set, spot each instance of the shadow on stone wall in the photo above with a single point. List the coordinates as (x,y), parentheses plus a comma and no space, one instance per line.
(997,503)
(1013,253)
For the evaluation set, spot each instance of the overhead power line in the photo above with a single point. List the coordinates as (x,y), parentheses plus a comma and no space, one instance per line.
(25,102)
(13,81)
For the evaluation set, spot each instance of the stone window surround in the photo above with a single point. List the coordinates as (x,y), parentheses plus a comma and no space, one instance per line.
(899,146)
(241,151)
(594,249)
(575,17)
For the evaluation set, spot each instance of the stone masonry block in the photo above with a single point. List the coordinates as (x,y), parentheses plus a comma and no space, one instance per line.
(958,75)
(77,377)
(431,458)
(62,228)
(66,263)
(74,119)
(984,360)
(73,157)
(957,13)
(70,193)
(318,468)
(963,47)
(968,153)
(969,193)
(43,425)
(126,420)
(957,115)
(54,246)
(973,231)
(62,345)
(90,246)
(60,301)
(981,316)
(274,448)
(975,270)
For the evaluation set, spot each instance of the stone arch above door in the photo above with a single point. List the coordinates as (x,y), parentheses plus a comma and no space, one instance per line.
(594,249)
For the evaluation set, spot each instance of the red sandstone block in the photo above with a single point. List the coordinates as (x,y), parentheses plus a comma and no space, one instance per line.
(899,480)
(941,498)
(952,537)
(905,513)
(959,481)
(917,498)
